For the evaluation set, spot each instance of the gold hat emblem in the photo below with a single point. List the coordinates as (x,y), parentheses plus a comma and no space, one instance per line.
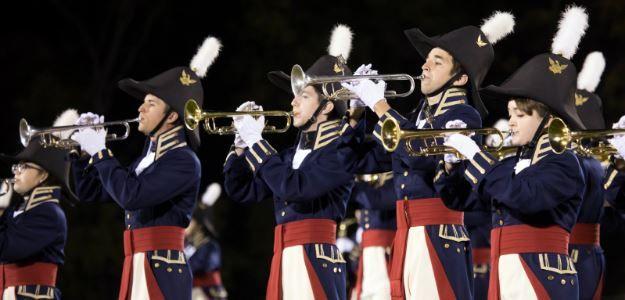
(479,42)
(580,100)
(185,79)
(555,67)
(337,68)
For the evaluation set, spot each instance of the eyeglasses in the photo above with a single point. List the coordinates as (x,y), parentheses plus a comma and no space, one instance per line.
(19,168)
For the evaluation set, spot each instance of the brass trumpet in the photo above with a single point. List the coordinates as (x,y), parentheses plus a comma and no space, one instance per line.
(560,137)
(392,134)
(503,152)
(193,115)
(300,80)
(48,139)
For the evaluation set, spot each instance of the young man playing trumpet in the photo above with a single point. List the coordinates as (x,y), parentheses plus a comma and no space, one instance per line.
(309,188)
(431,255)
(157,191)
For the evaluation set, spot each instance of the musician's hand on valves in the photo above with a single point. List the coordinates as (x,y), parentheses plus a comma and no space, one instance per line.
(463,144)
(618,141)
(91,140)
(250,128)
(362,70)
(89,118)
(451,157)
(368,91)
(246,106)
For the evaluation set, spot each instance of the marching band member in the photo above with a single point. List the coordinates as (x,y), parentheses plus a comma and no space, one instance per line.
(534,197)
(376,198)
(309,188)
(584,247)
(33,228)
(431,255)
(203,251)
(158,190)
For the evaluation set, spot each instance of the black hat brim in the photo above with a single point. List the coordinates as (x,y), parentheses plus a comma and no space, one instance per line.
(281,80)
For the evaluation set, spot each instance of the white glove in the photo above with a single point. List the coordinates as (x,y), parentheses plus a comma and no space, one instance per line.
(362,70)
(521,165)
(618,142)
(451,157)
(6,192)
(246,106)
(249,128)
(463,144)
(620,124)
(89,118)
(91,141)
(368,91)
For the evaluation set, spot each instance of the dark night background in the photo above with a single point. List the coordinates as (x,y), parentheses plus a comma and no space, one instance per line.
(60,54)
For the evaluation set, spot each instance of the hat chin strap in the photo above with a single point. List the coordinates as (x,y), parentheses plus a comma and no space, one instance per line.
(445,86)
(313,118)
(539,132)
(160,123)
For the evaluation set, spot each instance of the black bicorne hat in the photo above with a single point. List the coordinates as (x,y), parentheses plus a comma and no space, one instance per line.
(332,64)
(588,104)
(470,46)
(178,85)
(54,160)
(550,78)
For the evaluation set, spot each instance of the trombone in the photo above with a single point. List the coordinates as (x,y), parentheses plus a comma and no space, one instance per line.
(560,136)
(300,80)
(392,134)
(193,115)
(48,139)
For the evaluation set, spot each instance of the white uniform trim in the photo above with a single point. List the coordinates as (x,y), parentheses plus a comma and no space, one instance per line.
(139,289)
(145,162)
(419,280)
(299,156)
(9,293)
(513,281)
(375,281)
(294,275)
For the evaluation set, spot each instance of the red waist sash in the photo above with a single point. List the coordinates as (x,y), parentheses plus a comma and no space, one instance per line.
(143,240)
(310,231)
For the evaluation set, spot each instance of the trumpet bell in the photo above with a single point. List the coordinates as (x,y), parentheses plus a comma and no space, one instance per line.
(559,135)
(391,133)
(299,80)
(192,114)
(25,132)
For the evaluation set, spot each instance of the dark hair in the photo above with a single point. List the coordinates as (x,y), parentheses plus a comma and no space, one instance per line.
(169,110)
(456,67)
(528,106)
(51,180)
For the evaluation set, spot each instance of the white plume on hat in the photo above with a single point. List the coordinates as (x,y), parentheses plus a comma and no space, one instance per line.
(205,56)
(590,75)
(66,118)
(571,28)
(211,194)
(341,41)
(497,26)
